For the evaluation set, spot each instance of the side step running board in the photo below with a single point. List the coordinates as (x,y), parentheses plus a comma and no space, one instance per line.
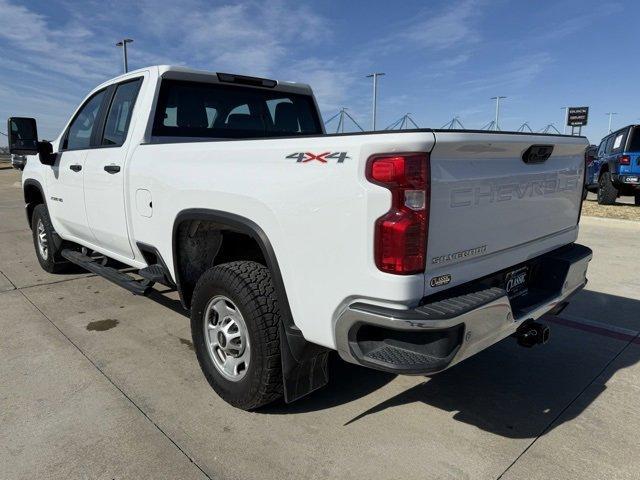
(137,287)
(156,274)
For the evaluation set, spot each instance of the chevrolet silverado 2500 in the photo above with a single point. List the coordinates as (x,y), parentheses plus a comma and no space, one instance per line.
(404,251)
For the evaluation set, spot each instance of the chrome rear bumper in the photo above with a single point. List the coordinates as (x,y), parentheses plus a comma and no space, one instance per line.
(438,334)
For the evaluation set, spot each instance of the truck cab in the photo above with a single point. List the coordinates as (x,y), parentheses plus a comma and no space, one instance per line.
(617,167)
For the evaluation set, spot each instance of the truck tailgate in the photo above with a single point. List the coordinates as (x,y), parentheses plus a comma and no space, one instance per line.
(491,210)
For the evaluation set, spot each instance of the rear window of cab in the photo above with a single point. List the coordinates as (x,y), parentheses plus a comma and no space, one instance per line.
(211,110)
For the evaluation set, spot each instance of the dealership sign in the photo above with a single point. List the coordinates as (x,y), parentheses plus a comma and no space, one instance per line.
(577,116)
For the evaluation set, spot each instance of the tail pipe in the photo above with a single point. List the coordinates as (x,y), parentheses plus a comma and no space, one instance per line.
(532,333)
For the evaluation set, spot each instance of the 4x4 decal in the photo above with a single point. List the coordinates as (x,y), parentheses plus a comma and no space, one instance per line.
(304,157)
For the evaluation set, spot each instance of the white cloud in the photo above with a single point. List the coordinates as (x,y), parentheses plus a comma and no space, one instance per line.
(434,30)
(446,29)
(64,49)
(516,74)
(253,38)
(65,59)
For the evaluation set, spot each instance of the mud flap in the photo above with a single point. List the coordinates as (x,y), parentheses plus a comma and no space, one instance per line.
(304,365)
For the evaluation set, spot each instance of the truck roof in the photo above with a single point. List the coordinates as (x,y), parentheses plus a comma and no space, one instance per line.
(176,71)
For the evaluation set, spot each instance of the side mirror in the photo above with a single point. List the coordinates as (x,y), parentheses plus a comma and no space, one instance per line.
(23,136)
(23,140)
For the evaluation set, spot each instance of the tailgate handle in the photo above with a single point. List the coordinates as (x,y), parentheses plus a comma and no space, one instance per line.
(537,153)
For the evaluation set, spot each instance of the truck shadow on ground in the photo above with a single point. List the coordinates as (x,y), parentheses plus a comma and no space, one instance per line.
(507,390)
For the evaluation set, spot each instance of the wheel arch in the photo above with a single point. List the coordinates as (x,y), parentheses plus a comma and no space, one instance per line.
(33,195)
(304,364)
(235,223)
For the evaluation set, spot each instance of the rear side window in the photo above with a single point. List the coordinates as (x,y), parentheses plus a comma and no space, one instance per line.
(619,141)
(634,142)
(211,110)
(81,128)
(119,116)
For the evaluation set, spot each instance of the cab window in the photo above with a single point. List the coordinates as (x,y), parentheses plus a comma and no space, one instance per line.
(81,129)
(120,111)
(212,110)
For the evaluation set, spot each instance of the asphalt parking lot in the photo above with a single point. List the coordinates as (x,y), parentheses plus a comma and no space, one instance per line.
(96,383)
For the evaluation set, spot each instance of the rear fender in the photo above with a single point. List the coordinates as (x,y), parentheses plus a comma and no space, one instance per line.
(304,364)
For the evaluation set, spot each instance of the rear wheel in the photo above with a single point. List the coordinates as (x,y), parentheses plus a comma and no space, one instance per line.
(235,328)
(607,192)
(637,199)
(46,242)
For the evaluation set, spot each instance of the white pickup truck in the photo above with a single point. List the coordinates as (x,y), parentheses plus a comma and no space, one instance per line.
(404,251)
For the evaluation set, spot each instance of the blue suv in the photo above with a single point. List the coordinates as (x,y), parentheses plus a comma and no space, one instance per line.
(615,170)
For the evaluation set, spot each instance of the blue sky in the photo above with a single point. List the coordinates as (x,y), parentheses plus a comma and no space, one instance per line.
(440,57)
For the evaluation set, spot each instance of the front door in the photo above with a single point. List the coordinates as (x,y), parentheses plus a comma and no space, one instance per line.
(104,177)
(65,180)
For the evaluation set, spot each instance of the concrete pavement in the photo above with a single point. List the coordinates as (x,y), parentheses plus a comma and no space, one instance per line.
(97,383)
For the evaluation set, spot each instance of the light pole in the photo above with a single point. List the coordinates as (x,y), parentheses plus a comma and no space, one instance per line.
(375,97)
(497,120)
(566,119)
(611,114)
(123,44)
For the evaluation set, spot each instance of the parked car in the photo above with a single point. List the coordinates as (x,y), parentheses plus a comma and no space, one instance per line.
(616,170)
(18,161)
(404,251)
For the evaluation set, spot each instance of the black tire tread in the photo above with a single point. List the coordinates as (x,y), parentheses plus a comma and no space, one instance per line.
(250,282)
(607,192)
(55,263)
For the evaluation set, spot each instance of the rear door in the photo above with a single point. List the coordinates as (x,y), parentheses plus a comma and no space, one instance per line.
(65,178)
(104,178)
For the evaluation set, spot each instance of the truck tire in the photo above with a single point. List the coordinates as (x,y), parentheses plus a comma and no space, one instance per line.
(607,192)
(235,321)
(637,199)
(46,242)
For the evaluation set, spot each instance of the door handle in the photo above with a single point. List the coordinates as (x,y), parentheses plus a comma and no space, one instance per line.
(75,168)
(112,168)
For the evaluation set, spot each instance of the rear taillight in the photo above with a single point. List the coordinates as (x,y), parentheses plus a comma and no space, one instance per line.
(625,160)
(400,244)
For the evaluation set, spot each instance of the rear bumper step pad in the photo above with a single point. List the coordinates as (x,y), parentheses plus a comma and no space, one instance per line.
(453,325)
